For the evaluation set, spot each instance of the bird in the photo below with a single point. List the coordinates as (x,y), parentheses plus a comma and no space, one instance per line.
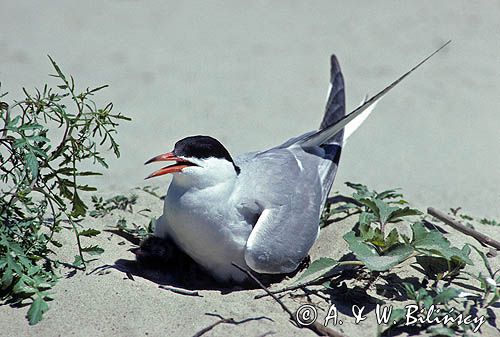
(260,210)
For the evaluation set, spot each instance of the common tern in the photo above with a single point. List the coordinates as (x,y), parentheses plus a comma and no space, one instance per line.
(260,210)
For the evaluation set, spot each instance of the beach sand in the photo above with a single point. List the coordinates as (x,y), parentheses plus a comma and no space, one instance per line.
(104,301)
(253,75)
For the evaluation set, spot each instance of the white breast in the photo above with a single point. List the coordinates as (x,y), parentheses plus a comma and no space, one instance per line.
(206,224)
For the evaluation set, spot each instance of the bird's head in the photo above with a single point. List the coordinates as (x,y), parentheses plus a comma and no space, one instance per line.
(198,159)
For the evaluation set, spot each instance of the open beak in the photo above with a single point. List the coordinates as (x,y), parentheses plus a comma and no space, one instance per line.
(177,167)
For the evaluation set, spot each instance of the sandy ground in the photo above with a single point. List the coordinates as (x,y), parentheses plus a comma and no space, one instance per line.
(253,75)
(105,302)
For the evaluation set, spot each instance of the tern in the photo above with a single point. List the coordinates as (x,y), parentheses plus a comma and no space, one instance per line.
(260,210)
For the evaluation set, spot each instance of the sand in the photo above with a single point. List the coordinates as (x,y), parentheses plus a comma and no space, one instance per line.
(253,75)
(104,301)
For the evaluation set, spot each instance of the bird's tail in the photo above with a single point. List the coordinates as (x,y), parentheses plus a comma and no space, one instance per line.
(325,135)
(335,100)
(336,127)
(334,112)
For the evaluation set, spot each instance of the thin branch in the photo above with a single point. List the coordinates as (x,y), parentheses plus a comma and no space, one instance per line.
(466,230)
(226,321)
(249,274)
(316,327)
(180,290)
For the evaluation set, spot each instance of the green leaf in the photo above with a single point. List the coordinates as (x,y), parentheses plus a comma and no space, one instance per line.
(22,288)
(27,127)
(79,208)
(36,310)
(87,188)
(402,212)
(88,173)
(58,70)
(317,269)
(39,152)
(78,261)
(490,222)
(372,206)
(369,256)
(93,250)
(366,218)
(362,191)
(12,125)
(393,238)
(390,259)
(389,194)
(358,247)
(32,163)
(7,278)
(89,232)
(40,137)
(385,211)
(446,295)
(13,264)
(434,243)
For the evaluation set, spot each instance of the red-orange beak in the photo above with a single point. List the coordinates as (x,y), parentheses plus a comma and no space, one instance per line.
(177,167)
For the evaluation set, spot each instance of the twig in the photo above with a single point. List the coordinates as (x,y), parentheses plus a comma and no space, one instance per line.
(226,321)
(458,226)
(316,327)
(180,290)
(249,274)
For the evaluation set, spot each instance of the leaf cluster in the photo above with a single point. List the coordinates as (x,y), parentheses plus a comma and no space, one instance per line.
(45,138)
(123,203)
(379,252)
(102,207)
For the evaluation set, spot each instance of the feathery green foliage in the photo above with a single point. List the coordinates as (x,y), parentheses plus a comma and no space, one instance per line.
(45,138)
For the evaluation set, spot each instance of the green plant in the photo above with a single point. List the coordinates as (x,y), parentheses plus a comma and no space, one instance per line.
(118,202)
(46,137)
(429,252)
(380,251)
(123,203)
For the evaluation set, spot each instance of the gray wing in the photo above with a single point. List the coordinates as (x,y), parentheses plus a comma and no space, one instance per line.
(290,205)
(289,184)
(285,186)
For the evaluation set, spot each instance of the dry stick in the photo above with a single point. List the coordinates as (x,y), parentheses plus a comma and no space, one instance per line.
(226,321)
(180,290)
(458,226)
(316,327)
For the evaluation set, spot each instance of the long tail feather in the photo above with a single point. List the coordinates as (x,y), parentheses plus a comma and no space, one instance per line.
(324,135)
(351,127)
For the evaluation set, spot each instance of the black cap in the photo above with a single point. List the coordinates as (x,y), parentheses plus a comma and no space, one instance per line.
(203,147)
